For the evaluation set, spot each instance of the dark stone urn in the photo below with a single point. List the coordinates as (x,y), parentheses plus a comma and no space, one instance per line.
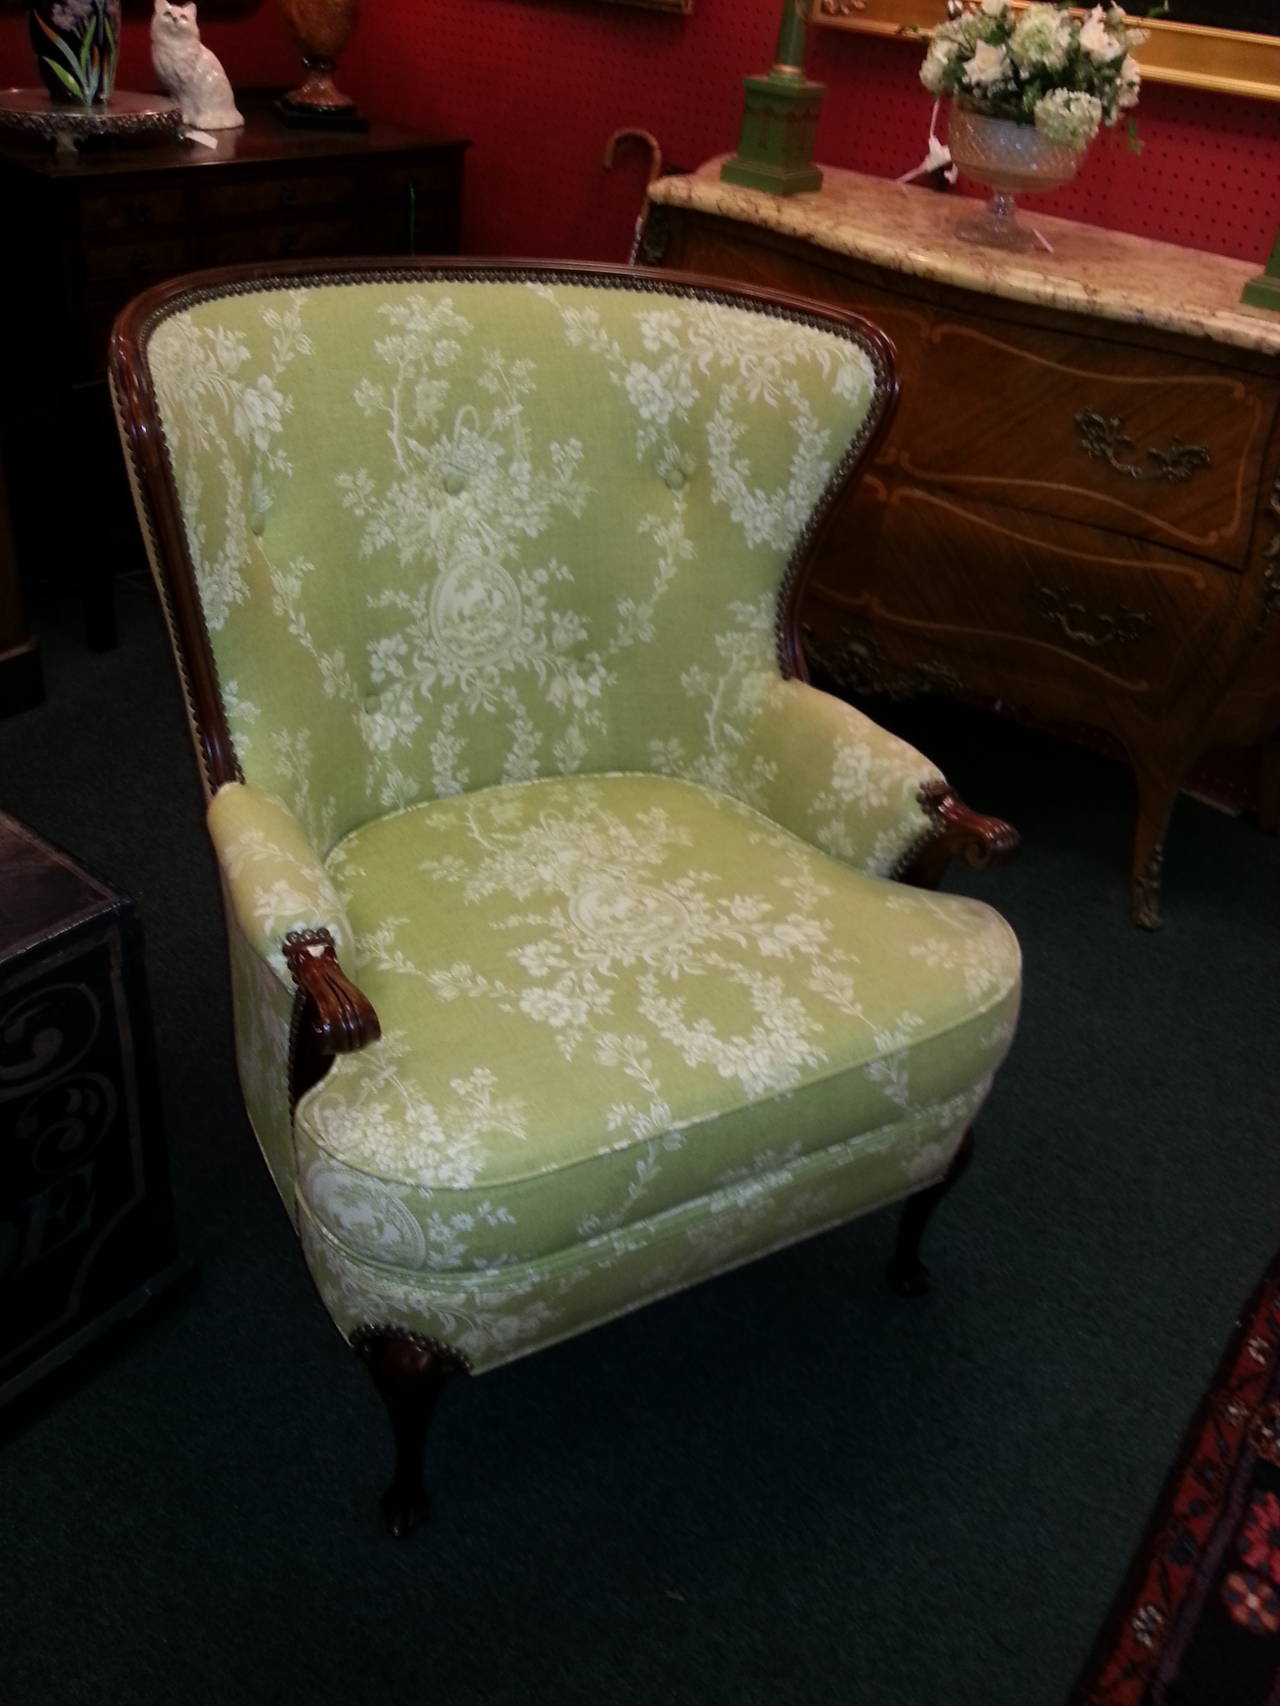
(76,43)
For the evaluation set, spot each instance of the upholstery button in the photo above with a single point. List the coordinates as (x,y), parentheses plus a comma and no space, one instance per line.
(675,478)
(371,702)
(453,483)
(257,523)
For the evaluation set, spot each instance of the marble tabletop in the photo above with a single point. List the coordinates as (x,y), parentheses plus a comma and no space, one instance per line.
(1085,269)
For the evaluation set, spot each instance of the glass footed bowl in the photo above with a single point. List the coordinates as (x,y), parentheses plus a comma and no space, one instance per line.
(1009,159)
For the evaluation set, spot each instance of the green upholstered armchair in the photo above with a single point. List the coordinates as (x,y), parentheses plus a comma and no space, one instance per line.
(568,968)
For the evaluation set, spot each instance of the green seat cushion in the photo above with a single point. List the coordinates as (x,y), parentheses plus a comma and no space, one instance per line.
(606,997)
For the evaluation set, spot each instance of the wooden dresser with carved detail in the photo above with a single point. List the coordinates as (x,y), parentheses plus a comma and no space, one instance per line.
(91,231)
(1077,511)
(87,1237)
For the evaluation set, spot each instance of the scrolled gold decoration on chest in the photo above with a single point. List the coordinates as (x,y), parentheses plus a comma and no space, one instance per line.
(1094,629)
(1104,439)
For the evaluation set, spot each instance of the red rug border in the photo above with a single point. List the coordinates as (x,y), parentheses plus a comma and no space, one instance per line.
(1221,1424)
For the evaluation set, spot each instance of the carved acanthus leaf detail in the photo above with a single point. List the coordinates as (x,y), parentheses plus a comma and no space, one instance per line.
(857,663)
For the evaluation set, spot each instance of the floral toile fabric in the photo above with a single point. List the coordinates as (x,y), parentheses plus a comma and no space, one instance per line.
(491,571)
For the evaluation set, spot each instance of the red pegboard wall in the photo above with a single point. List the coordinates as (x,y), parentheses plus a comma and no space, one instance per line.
(540,84)
(1207,174)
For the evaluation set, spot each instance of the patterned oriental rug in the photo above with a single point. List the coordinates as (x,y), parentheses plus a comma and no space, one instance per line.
(1198,1620)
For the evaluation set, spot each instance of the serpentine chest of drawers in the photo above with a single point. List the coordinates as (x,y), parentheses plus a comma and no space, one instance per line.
(1077,510)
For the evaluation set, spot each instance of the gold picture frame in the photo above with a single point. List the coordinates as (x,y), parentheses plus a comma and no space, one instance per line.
(1238,62)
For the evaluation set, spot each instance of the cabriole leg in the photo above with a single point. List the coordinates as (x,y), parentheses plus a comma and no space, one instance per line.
(906,1273)
(410,1373)
(1156,796)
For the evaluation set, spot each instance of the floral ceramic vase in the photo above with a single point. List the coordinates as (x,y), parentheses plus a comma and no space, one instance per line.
(76,43)
(323,28)
(1007,158)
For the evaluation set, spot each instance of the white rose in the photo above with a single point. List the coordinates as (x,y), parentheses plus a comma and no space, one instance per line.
(988,65)
(1130,83)
(1096,39)
(937,59)
(963,31)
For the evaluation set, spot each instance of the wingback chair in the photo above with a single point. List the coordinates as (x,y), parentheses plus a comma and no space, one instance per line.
(566,963)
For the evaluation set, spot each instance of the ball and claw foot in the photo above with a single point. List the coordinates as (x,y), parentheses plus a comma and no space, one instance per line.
(404,1511)
(409,1372)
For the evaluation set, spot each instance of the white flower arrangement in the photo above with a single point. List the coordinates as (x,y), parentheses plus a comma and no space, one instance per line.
(1040,65)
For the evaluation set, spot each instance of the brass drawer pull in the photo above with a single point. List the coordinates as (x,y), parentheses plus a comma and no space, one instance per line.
(1104,440)
(1104,628)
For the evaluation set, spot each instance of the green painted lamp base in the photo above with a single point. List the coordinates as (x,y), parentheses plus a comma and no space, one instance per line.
(781,180)
(1264,291)
(775,149)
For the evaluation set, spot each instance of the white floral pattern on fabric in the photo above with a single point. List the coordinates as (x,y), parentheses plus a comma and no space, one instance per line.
(366,1214)
(491,572)
(273,878)
(753,363)
(479,640)
(493,1314)
(604,996)
(263,1015)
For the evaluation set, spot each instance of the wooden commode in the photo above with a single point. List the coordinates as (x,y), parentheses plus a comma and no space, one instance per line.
(1077,510)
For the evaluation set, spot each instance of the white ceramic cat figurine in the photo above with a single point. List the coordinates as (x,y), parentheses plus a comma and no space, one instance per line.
(190,71)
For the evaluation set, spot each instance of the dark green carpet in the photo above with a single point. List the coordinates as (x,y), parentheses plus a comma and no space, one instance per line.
(787,1486)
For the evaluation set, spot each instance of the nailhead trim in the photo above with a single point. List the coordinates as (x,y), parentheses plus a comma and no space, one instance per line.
(929,801)
(369,1330)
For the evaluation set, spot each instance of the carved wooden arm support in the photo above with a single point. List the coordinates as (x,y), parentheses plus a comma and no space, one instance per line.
(958,834)
(339,1017)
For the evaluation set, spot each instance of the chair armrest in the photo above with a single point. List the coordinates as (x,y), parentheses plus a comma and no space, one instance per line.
(958,833)
(823,770)
(285,904)
(339,1017)
(275,880)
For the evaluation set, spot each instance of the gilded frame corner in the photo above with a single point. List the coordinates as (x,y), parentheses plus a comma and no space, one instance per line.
(1235,62)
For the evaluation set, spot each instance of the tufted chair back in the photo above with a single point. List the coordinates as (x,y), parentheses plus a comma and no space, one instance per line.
(450,529)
